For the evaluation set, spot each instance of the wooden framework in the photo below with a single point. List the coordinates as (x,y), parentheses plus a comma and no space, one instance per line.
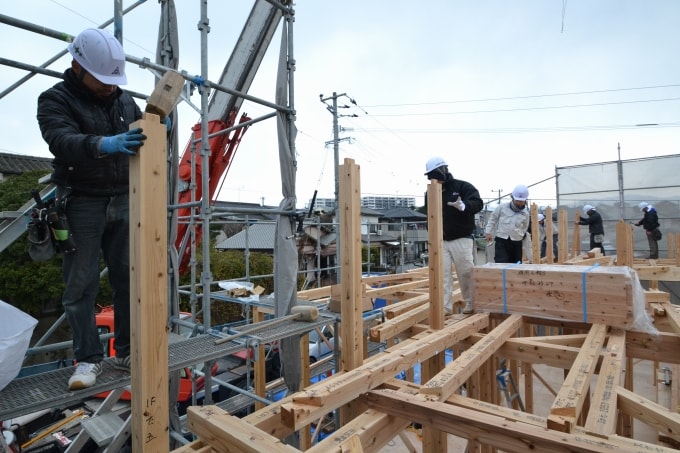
(594,406)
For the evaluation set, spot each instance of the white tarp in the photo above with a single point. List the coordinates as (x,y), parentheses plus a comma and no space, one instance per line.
(16,329)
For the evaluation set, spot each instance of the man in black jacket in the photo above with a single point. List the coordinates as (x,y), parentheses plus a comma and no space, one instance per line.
(460,203)
(595,227)
(85,121)
(650,222)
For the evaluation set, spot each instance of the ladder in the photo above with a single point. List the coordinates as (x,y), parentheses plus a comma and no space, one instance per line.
(503,376)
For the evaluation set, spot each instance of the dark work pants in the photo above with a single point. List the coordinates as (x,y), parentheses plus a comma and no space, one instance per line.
(507,251)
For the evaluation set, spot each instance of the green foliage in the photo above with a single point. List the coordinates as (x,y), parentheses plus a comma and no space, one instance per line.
(230,265)
(27,284)
(375,257)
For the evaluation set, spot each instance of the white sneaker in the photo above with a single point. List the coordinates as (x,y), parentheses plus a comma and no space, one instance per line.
(468,309)
(84,376)
(448,311)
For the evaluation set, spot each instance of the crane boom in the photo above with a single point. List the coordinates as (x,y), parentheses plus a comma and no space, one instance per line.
(223,108)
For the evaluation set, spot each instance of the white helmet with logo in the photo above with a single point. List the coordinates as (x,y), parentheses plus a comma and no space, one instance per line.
(520,193)
(587,208)
(434,163)
(643,205)
(100,54)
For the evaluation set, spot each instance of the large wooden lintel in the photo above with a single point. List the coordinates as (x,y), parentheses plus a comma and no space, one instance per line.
(497,431)
(569,401)
(226,433)
(649,412)
(448,380)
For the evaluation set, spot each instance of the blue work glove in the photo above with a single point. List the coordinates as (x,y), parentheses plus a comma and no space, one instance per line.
(168,123)
(126,143)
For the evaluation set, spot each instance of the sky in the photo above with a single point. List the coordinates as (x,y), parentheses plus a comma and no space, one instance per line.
(504,91)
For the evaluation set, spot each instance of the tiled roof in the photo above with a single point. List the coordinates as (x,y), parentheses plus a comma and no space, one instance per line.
(403,213)
(16,164)
(260,237)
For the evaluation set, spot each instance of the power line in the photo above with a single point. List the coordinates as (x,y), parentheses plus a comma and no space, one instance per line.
(511,98)
(524,130)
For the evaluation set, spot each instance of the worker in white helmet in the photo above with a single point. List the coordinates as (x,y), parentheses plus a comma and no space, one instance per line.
(595,226)
(650,222)
(85,119)
(460,203)
(507,226)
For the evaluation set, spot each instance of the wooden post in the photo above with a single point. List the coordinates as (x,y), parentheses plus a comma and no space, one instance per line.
(576,243)
(562,236)
(549,228)
(149,289)
(435,440)
(351,351)
(535,234)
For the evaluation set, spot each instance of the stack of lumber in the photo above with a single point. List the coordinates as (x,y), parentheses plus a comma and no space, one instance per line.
(592,294)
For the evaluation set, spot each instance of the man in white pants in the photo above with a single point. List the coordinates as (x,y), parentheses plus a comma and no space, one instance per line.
(460,203)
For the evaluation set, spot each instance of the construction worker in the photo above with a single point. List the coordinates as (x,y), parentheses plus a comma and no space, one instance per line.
(460,203)
(507,226)
(595,226)
(650,222)
(85,121)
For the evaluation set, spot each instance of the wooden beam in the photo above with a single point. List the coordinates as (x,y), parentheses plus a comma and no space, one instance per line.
(393,327)
(603,419)
(666,273)
(649,412)
(337,390)
(673,316)
(149,289)
(567,405)
(448,381)
(498,432)
(228,434)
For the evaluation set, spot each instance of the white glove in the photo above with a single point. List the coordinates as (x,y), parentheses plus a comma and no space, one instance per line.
(458,204)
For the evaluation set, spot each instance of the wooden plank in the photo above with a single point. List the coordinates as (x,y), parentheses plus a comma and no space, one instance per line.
(448,381)
(389,290)
(393,327)
(649,412)
(498,432)
(666,273)
(228,434)
(673,316)
(569,401)
(149,289)
(332,392)
(603,419)
(374,428)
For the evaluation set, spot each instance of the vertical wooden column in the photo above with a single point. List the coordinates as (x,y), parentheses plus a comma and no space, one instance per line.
(624,244)
(351,327)
(535,235)
(149,289)
(434,440)
(260,364)
(576,242)
(562,236)
(549,240)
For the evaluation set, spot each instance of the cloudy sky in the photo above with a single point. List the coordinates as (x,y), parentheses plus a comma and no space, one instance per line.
(505,91)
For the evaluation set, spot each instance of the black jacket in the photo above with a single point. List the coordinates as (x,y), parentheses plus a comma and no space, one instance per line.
(594,222)
(72,121)
(459,224)
(650,221)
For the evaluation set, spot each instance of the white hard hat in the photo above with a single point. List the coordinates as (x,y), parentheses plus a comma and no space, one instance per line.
(100,54)
(541,217)
(587,208)
(434,163)
(643,205)
(520,193)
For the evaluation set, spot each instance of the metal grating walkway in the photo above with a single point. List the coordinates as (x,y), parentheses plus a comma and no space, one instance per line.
(49,390)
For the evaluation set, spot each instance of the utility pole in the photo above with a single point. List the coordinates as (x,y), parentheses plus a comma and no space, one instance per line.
(333,108)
